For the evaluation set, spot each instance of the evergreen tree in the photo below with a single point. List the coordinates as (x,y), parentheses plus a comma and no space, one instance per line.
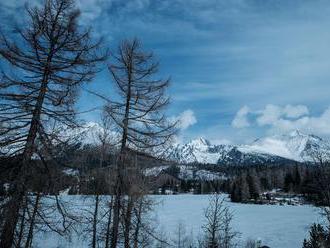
(319,238)
(254,184)
(288,182)
(244,191)
(235,193)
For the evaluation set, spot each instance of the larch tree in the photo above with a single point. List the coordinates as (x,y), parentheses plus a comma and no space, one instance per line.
(138,116)
(51,56)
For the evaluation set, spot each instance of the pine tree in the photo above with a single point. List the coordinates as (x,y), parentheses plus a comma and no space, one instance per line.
(254,184)
(317,237)
(288,182)
(244,191)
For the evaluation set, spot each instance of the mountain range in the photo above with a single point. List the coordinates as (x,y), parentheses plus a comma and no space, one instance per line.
(276,149)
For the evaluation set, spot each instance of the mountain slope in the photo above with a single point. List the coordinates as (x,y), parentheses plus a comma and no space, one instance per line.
(294,146)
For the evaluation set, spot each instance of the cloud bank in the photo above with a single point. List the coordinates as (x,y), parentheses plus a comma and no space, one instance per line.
(283,119)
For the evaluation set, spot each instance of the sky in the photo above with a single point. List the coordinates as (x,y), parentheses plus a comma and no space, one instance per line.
(240,69)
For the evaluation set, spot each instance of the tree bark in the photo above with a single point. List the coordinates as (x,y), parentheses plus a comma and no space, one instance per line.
(116,214)
(95,220)
(107,236)
(12,214)
(29,238)
(7,235)
(128,219)
(22,225)
(138,223)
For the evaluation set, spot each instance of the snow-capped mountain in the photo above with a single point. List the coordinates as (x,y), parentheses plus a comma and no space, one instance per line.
(199,150)
(294,146)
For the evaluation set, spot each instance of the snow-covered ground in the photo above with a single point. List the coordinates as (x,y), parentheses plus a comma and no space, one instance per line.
(187,172)
(277,226)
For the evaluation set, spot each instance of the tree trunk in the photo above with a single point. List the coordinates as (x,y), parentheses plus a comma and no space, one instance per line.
(95,220)
(22,225)
(29,146)
(116,215)
(138,223)
(12,214)
(32,221)
(107,235)
(128,219)
(7,235)
(127,107)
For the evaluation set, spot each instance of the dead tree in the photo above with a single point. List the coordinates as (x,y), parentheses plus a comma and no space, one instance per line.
(51,58)
(138,115)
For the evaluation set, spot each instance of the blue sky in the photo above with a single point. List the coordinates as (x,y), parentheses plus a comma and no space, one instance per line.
(240,69)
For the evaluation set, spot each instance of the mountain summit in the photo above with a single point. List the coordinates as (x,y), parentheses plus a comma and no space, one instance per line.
(294,146)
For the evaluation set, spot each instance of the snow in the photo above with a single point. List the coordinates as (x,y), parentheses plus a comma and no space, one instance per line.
(277,226)
(154,171)
(187,172)
(295,146)
(197,150)
(209,176)
(292,146)
(190,172)
(71,172)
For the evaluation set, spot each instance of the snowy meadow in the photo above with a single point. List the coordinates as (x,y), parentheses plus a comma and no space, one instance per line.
(276,226)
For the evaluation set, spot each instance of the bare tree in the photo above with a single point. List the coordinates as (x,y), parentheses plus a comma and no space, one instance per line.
(138,117)
(104,141)
(52,57)
(217,229)
(181,238)
(251,243)
(41,212)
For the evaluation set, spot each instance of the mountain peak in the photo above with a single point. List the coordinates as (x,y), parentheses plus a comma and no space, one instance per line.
(294,146)
(295,133)
(200,142)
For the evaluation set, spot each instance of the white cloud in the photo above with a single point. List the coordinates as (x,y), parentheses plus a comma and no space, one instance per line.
(92,9)
(186,119)
(318,125)
(241,119)
(272,113)
(295,111)
(280,119)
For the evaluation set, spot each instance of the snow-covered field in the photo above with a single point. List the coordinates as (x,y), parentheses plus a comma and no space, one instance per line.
(276,226)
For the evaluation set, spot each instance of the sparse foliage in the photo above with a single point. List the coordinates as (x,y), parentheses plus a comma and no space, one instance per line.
(51,57)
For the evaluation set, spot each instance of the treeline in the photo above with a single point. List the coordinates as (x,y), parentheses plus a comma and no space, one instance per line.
(309,181)
(249,183)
